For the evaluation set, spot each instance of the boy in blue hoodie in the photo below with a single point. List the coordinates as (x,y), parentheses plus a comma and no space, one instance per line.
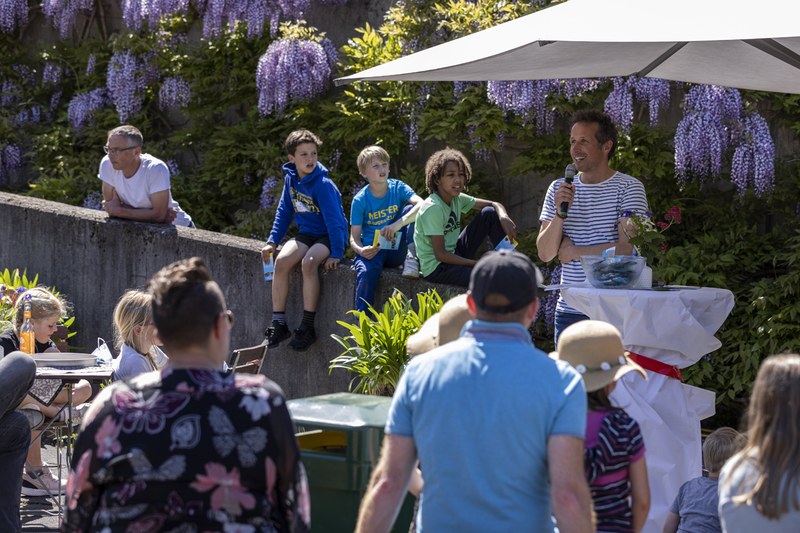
(313,201)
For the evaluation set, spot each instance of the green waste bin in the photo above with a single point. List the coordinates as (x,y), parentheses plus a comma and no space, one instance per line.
(340,439)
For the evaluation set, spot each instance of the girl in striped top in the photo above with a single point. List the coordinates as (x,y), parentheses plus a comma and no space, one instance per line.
(614,450)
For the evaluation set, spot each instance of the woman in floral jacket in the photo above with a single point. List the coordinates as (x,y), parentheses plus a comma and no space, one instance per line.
(188,448)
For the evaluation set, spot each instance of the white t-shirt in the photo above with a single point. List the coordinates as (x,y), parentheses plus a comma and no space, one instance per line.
(152,177)
(131,363)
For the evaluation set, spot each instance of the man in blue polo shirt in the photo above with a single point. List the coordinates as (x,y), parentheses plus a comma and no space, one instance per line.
(496,425)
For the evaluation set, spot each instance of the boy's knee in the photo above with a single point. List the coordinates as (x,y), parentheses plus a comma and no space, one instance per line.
(489,211)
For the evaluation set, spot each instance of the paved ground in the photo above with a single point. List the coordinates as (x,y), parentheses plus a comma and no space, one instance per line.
(40,514)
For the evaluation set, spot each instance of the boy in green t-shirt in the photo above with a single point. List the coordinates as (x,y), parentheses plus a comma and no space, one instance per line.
(446,253)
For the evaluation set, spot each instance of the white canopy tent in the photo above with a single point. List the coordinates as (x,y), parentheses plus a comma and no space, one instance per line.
(735,43)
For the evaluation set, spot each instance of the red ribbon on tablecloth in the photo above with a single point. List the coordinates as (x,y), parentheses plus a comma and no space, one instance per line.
(658,367)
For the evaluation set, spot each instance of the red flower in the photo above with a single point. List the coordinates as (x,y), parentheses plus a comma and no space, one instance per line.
(673,215)
(662,225)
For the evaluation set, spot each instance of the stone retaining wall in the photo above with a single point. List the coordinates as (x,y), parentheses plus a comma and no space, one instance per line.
(92,260)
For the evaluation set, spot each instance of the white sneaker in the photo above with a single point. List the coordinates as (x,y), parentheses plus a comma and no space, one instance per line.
(41,483)
(410,266)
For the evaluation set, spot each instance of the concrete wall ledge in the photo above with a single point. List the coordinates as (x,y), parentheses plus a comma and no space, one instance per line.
(93,259)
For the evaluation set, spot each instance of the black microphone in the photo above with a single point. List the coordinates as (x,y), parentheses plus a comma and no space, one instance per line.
(569,174)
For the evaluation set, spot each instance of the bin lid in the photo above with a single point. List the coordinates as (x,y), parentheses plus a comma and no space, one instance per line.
(341,410)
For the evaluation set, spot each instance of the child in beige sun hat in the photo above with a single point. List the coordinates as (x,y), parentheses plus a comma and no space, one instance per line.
(443,327)
(614,448)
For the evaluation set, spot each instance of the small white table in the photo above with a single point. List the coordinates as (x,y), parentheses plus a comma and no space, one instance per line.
(675,328)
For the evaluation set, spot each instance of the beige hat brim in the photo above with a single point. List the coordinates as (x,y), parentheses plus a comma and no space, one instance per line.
(598,379)
(443,327)
(426,339)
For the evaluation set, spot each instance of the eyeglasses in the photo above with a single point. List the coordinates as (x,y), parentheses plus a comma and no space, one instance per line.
(116,151)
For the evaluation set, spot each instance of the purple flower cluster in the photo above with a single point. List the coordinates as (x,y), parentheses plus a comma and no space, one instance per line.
(479,151)
(291,69)
(619,104)
(94,200)
(174,93)
(754,158)
(30,115)
(460,86)
(9,94)
(10,160)
(63,13)
(527,99)
(173,167)
(136,12)
(80,111)
(126,83)
(90,64)
(358,186)
(255,13)
(55,99)
(547,305)
(267,199)
(51,75)
(333,160)
(703,135)
(333,2)
(13,14)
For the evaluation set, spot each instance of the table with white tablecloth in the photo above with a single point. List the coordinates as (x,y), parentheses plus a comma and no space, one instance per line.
(668,330)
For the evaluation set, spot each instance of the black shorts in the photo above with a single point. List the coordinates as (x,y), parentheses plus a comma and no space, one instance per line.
(311,240)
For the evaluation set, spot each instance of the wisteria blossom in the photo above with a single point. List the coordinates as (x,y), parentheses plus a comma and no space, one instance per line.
(63,13)
(547,307)
(136,12)
(90,64)
(81,108)
(291,70)
(527,99)
(27,115)
(10,161)
(267,199)
(126,83)
(619,103)
(753,159)
(93,200)
(257,14)
(51,75)
(703,135)
(13,14)
(174,93)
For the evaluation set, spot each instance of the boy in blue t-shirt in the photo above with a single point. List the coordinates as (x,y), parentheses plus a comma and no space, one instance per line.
(378,216)
(313,201)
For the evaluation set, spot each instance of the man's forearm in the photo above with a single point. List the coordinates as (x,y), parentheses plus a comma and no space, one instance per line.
(549,239)
(142,215)
(573,510)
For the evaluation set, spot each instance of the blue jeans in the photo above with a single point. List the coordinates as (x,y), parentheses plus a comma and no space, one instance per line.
(486,224)
(368,271)
(563,320)
(17,371)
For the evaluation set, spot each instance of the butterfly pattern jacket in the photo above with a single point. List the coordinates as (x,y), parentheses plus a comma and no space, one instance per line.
(188,451)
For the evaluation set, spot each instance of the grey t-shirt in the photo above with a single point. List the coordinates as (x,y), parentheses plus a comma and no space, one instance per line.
(739,518)
(696,504)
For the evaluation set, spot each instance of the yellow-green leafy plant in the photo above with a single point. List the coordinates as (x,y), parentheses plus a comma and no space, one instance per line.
(375,348)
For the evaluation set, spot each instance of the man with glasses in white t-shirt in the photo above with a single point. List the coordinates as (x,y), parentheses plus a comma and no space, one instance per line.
(136,185)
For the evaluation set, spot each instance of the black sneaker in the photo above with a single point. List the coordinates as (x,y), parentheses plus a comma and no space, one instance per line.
(303,339)
(276,334)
